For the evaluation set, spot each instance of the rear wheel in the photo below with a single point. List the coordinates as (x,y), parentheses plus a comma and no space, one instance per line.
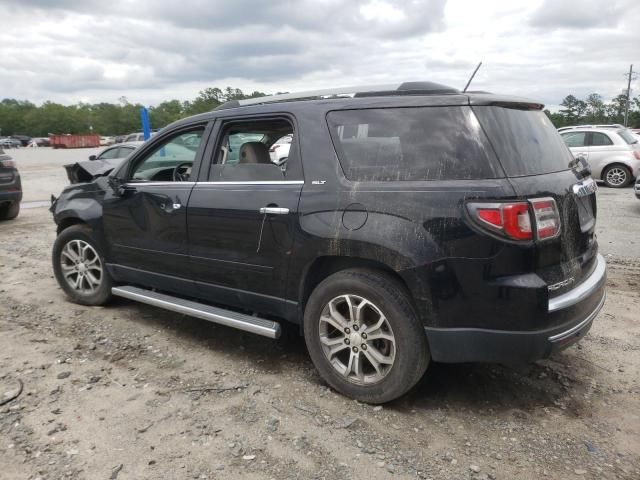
(9,211)
(364,337)
(78,264)
(616,176)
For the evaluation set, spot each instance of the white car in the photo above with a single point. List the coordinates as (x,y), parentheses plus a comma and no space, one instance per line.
(106,141)
(279,151)
(613,154)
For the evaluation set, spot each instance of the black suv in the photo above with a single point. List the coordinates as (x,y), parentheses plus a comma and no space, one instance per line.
(10,188)
(408,224)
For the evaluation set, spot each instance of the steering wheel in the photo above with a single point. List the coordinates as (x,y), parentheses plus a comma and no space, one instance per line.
(182,172)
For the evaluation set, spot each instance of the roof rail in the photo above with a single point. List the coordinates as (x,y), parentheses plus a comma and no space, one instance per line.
(407,88)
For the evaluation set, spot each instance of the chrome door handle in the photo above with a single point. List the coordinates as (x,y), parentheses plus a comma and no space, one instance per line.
(274,211)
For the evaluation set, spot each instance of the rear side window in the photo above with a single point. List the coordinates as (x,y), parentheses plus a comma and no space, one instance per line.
(411,144)
(525,140)
(627,137)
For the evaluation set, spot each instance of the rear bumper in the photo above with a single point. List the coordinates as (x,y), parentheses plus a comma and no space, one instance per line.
(456,345)
(10,195)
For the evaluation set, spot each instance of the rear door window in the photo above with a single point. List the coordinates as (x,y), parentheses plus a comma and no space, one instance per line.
(600,139)
(526,141)
(411,144)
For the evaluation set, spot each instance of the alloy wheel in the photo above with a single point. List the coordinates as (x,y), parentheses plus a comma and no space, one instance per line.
(357,339)
(81,266)
(616,176)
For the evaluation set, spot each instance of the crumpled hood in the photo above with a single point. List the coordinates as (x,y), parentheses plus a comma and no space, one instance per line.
(88,170)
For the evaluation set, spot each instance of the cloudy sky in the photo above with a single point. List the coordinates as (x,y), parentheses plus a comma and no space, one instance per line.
(154,50)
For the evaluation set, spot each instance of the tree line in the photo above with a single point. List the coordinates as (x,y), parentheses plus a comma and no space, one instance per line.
(24,117)
(594,110)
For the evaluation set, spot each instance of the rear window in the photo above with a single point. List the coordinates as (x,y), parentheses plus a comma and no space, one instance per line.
(411,144)
(627,136)
(525,140)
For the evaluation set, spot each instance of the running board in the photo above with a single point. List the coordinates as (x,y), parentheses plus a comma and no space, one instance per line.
(248,323)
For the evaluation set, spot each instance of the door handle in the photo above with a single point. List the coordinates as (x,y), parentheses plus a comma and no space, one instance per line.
(274,211)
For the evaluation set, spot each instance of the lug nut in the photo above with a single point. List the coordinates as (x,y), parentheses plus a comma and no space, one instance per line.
(364,335)
(364,346)
(347,331)
(355,349)
(346,340)
(355,328)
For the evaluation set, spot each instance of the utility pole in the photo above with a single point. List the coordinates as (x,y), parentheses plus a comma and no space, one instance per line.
(626,108)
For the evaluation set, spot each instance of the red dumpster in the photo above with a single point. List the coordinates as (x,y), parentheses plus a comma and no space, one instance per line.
(74,141)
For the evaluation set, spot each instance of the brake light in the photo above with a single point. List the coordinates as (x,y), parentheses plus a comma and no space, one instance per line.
(8,163)
(514,220)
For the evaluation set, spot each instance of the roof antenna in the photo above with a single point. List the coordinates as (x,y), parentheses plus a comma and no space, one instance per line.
(471,79)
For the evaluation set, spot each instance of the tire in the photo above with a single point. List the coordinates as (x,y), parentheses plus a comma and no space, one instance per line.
(9,211)
(380,299)
(78,259)
(616,176)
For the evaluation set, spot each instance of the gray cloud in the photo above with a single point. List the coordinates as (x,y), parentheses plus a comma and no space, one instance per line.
(580,14)
(151,51)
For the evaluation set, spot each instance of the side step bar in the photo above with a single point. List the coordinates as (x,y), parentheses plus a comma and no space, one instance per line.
(248,323)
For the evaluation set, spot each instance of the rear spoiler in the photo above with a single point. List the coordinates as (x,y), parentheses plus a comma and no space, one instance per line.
(504,101)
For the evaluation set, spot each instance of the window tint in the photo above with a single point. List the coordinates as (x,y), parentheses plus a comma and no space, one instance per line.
(600,139)
(170,161)
(525,140)
(411,144)
(575,139)
(244,152)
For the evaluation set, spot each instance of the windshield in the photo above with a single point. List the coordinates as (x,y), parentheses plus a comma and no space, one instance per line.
(526,141)
(627,136)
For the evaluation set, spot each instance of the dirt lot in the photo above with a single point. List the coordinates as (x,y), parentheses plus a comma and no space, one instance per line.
(132,392)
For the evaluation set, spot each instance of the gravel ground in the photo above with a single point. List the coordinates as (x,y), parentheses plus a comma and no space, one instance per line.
(130,391)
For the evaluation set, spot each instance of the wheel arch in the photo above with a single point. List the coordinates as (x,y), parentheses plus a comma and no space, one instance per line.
(323,266)
(616,163)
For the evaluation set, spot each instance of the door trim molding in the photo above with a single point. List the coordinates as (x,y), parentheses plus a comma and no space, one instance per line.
(255,182)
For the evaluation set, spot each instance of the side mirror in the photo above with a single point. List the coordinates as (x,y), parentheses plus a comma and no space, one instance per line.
(92,157)
(117,185)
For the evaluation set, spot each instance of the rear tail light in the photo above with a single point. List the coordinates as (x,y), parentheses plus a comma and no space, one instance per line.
(636,153)
(537,218)
(8,163)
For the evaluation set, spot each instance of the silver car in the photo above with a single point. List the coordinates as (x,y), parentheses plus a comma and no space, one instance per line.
(613,154)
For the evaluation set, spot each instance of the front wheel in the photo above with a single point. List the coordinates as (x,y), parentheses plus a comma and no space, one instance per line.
(616,176)
(364,336)
(78,264)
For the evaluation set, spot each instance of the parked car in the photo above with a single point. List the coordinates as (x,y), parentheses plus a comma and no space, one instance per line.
(40,142)
(408,224)
(23,139)
(10,188)
(100,164)
(8,142)
(136,137)
(613,154)
(279,151)
(616,126)
(106,141)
